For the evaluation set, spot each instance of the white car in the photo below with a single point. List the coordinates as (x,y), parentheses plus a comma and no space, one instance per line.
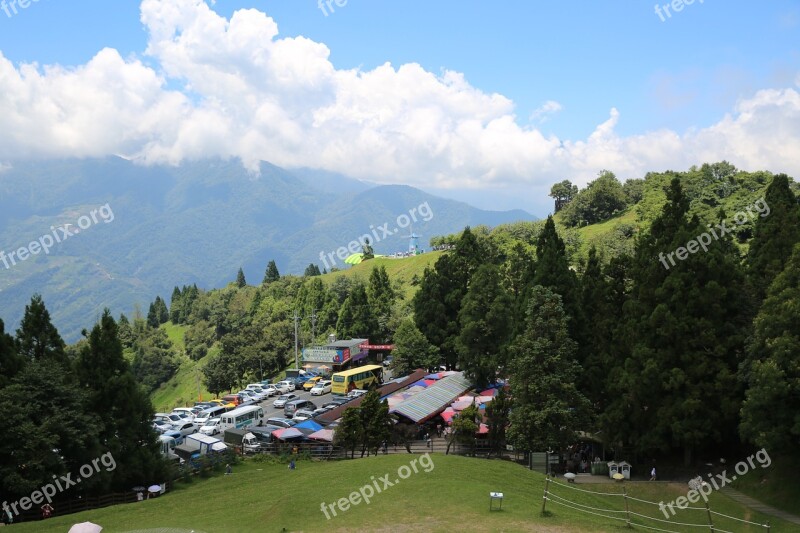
(167,418)
(270,390)
(185,413)
(283,398)
(185,428)
(250,395)
(355,393)
(323,387)
(289,384)
(303,414)
(211,427)
(282,387)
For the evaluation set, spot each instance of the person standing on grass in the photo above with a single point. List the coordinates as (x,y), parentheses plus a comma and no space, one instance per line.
(653,474)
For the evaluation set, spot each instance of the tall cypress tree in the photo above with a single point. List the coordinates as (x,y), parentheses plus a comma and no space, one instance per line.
(774,235)
(552,271)
(485,326)
(271,273)
(37,338)
(771,411)
(240,281)
(381,300)
(684,329)
(10,362)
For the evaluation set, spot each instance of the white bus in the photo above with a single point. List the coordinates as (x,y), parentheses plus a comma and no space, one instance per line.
(243,417)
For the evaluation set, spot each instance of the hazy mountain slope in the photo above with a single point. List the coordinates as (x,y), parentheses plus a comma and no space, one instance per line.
(196,223)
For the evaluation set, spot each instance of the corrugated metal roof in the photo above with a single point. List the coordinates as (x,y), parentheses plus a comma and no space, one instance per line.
(386,390)
(434,399)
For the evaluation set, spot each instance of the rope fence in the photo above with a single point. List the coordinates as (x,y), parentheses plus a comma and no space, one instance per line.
(630,516)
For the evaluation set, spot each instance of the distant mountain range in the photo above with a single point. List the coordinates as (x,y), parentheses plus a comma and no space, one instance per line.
(195,223)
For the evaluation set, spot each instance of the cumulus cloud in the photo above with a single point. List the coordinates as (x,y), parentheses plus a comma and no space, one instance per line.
(544,111)
(245,91)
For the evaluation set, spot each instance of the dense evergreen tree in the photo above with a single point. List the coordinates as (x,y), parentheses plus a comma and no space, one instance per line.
(485,327)
(412,350)
(376,422)
(122,410)
(356,319)
(271,273)
(600,200)
(563,193)
(10,362)
(155,360)
(684,332)
(381,298)
(464,427)
(350,432)
(37,338)
(548,407)
(771,411)
(498,413)
(240,281)
(312,270)
(776,232)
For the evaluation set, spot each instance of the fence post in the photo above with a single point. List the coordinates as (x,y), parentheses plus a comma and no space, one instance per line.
(767,526)
(544,499)
(710,522)
(627,511)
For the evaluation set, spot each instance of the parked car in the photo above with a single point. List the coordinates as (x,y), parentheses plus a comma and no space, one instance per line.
(308,385)
(322,387)
(161,427)
(387,361)
(250,396)
(257,394)
(321,411)
(290,408)
(281,422)
(232,398)
(271,390)
(283,398)
(211,427)
(185,428)
(177,435)
(355,393)
(333,404)
(184,412)
(265,382)
(282,387)
(303,414)
(289,384)
(166,418)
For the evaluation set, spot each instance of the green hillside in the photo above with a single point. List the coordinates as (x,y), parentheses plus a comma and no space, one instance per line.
(448,493)
(403,270)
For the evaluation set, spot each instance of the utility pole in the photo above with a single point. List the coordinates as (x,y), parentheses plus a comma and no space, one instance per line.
(313,326)
(296,364)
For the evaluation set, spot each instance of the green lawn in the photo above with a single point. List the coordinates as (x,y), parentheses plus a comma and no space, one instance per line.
(182,388)
(402,269)
(452,496)
(777,485)
(175,333)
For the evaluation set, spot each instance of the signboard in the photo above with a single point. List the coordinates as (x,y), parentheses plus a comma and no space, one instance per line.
(319,355)
(342,355)
(366,346)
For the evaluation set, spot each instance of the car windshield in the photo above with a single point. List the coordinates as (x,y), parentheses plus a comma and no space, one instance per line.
(284,397)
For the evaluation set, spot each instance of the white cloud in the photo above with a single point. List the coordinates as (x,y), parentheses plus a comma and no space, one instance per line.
(249,93)
(544,111)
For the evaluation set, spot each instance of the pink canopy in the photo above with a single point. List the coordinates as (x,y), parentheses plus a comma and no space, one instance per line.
(483,429)
(287,433)
(448,415)
(461,405)
(466,398)
(322,434)
(490,392)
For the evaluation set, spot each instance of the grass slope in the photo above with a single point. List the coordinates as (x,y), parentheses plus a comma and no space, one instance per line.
(452,496)
(402,270)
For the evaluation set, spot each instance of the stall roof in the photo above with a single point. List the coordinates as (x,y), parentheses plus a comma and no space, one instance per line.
(389,388)
(434,399)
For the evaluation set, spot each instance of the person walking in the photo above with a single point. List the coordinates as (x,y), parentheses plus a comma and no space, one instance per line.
(653,474)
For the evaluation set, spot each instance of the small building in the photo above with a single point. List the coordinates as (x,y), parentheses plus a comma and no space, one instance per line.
(337,355)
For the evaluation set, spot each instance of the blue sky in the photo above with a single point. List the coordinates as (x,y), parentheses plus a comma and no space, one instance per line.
(562,67)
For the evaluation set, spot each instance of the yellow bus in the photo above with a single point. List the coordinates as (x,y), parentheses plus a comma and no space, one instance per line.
(362,377)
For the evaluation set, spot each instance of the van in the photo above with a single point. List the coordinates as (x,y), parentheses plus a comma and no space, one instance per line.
(212,412)
(291,407)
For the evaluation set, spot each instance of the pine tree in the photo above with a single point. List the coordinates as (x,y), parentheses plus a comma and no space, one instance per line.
(548,407)
(312,270)
(485,327)
(123,412)
(176,311)
(552,271)
(152,316)
(350,432)
(381,299)
(163,312)
(375,422)
(776,232)
(356,319)
(771,410)
(37,338)
(683,337)
(10,362)
(240,281)
(271,273)
(498,413)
